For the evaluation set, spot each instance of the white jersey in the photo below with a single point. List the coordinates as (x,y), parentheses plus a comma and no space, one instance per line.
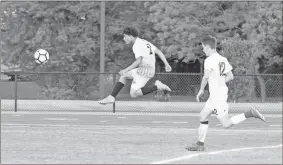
(145,49)
(218,67)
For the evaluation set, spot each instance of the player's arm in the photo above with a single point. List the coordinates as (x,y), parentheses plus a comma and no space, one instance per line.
(204,79)
(134,64)
(161,56)
(208,67)
(229,76)
(203,83)
(228,71)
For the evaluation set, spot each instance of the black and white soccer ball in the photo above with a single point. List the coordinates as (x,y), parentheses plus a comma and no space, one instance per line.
(41,56)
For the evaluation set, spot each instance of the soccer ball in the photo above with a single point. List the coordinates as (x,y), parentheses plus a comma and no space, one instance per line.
(41,56)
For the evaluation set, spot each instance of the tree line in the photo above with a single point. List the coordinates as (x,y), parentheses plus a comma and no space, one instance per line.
(249,34)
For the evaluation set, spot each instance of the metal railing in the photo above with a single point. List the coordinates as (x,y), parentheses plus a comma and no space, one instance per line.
(84,86)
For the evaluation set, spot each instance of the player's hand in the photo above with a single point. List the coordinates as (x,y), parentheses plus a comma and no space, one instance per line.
(199,94)
(168,68)
(122,72)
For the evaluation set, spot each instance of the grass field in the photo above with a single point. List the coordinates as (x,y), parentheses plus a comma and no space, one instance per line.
(131,106)
(60,131)
(70,137)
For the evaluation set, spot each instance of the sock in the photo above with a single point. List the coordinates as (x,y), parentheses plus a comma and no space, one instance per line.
(148,89)
(138,93)
(117,88)
(202,131)
(248,114)
(238,118)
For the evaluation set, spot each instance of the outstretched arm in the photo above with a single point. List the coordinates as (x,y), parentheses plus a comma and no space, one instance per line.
(162,57)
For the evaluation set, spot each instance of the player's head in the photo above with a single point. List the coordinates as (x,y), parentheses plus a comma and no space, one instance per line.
(130,34)
(209,44)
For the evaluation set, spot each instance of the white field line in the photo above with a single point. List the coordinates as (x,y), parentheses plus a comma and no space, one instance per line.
(61,119)
(75,126)
(122,117)
(275,125)
(110,113)
(186,157)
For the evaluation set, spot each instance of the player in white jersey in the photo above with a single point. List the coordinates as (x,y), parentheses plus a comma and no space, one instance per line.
(141,71)
(217,72)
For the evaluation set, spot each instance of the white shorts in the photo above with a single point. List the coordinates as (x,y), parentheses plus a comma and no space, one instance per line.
(139,81)
(218,103)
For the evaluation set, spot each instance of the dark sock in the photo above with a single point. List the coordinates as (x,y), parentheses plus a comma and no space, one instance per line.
(148,89)
(200,143)
(248,114)
(204,122)
(117,89)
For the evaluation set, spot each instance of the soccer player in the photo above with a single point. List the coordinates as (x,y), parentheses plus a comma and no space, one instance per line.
(217,72)
(141,70)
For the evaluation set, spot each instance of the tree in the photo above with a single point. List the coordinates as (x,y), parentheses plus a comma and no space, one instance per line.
(70,31)
(67,30)
(254,27)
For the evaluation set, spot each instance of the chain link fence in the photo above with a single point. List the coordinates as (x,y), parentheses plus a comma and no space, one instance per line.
(72,34)
(79,92)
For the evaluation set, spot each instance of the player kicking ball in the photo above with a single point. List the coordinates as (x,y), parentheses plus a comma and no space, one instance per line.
(141,71)
(217,72)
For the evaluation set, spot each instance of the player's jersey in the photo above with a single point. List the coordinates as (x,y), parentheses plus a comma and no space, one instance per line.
(145,49)
(218,67)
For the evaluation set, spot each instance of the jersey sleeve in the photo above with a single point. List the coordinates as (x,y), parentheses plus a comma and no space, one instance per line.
(228,66)
(144,49)
(208,65)
(140,50)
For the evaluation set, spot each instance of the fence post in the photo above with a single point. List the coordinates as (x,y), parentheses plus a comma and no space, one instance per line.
(16,93)
(114,82)
(102,49)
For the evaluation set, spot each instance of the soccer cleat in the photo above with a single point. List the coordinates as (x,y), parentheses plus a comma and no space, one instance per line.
(161,86)
(167,96)
(199,146)
(108,100)
(162,96)
(257,114)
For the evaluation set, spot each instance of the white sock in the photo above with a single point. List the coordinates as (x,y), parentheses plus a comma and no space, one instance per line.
(138,93)
(202,132)
(238,118)
(111,97)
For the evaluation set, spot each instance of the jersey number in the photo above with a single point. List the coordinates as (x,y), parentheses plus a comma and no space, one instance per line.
(221,68)
(215,112)
(149,47)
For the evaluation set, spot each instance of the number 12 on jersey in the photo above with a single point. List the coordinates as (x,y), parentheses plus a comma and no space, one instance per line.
(221,68)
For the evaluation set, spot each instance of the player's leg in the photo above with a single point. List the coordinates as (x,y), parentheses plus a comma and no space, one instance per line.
(137,85)
(203,127)
(222,115)
(158,85)
(237,119)
(117,88)
(144,73)
(161,86)
(139,89)
(222,108)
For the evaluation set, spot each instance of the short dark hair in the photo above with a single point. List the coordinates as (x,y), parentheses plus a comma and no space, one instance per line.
(209,40)
(131,31)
